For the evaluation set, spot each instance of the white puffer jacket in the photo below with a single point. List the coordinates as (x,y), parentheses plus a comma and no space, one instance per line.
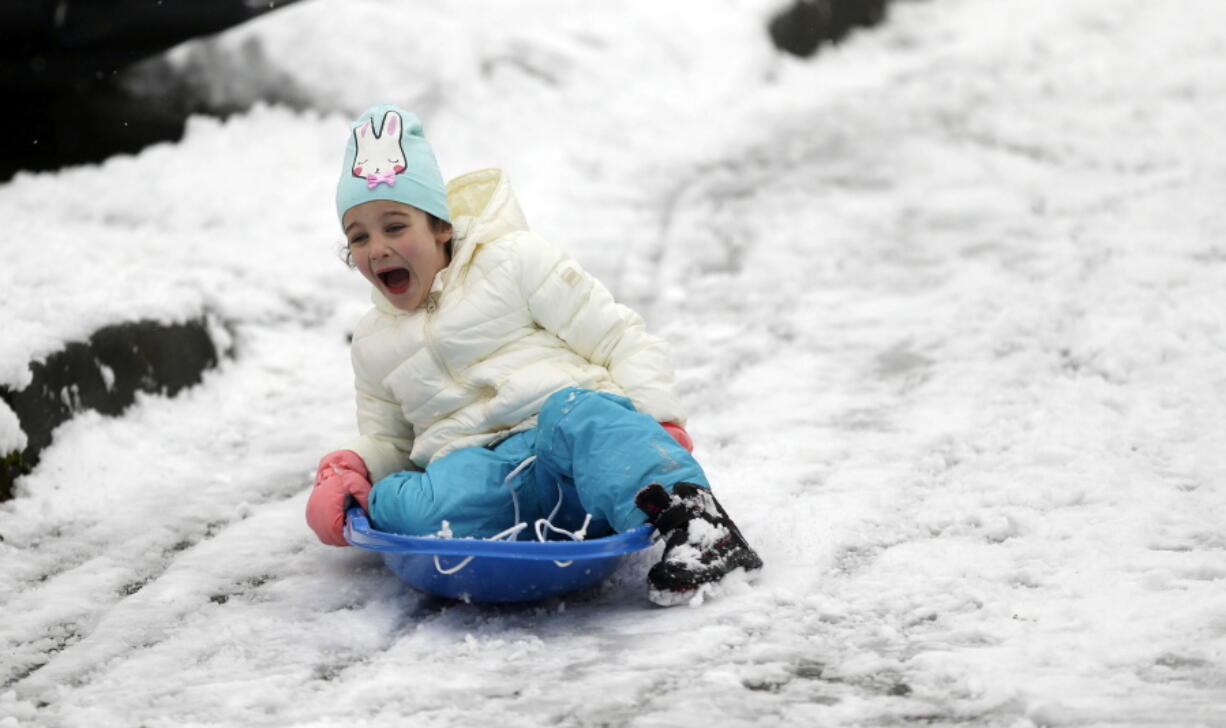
(508,322)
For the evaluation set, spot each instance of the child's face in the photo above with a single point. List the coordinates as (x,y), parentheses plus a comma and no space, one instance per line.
(395,249)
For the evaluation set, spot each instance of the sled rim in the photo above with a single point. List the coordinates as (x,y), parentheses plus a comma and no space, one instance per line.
(359,532)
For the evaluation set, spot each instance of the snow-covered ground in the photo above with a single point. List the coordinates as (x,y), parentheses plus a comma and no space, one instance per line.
(948,305)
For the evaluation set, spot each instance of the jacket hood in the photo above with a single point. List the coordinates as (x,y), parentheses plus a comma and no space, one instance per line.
(483,209)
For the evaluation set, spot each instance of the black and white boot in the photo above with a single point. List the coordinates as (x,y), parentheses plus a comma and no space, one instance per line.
(702,546)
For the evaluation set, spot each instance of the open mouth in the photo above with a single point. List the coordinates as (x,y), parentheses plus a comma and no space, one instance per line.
(395,280)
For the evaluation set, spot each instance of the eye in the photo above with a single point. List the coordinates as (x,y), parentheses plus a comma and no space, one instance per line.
(357,239)
(395,227)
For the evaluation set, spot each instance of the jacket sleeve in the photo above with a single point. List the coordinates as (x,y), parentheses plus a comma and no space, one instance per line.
(385,437)
(571,304)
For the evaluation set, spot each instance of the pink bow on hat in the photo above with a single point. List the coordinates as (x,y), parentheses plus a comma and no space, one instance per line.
(373,180)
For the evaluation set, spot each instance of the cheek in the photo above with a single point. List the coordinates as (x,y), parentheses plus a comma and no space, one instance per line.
(363,267)
(398,168)
(357,171)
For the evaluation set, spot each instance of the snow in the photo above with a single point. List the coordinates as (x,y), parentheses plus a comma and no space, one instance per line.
(11,436)
(947,308)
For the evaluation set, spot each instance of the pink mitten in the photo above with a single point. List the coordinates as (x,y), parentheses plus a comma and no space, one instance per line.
(341,474)
(679,434)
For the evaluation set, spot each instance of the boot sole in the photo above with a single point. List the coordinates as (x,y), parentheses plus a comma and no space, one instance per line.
(695,596)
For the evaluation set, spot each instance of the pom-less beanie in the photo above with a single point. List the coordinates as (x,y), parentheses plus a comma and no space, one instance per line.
(388,158)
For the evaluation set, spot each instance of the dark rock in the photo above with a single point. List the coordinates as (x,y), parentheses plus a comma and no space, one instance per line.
(104,374)
(804,26)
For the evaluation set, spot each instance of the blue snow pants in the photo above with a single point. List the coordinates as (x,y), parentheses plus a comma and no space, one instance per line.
(593,450)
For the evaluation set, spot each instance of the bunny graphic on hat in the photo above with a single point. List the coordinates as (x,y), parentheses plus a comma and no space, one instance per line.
(380,156)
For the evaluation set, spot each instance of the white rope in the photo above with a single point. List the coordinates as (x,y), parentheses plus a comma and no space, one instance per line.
(506,483)
(511,533)
(543,523)
(508,534)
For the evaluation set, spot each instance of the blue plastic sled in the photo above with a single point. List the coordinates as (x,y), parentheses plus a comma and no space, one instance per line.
(496,571)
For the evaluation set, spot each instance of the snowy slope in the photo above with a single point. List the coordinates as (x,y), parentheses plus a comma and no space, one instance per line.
(947,307)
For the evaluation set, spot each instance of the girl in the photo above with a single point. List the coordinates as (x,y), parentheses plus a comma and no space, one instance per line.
(492,362)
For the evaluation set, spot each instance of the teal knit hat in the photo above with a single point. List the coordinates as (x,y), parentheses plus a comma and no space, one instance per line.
(388,158)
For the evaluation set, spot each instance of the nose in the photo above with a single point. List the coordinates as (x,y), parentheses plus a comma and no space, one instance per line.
(379,247)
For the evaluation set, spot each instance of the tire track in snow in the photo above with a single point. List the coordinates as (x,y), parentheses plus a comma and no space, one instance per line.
(823,336)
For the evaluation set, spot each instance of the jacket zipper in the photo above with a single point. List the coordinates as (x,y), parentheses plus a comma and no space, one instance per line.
(431,309)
